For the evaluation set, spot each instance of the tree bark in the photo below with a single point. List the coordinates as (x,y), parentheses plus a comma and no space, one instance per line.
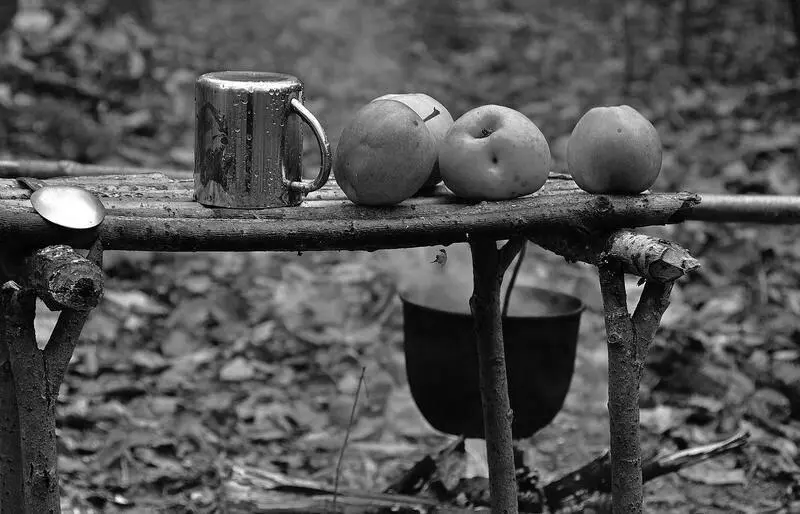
(65,277)
(156,213)
(648,257)
(11,489)
(64,337)
(36,407)
(629,338)
(488,265)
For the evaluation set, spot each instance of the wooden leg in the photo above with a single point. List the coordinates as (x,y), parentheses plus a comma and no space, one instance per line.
(36,408)
(68,282)
(489,264)
(11,493)
(629,338)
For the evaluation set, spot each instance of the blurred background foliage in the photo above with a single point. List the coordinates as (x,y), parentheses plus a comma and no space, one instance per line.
(254,358)
(711,74)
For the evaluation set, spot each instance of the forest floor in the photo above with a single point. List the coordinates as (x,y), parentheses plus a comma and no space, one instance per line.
(193,362)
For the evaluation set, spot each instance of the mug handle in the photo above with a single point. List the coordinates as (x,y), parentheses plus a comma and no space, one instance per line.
(324,150)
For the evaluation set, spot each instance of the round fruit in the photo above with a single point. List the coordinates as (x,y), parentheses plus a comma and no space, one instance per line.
(436,117)
(494,153)
(384,154)
(614,150)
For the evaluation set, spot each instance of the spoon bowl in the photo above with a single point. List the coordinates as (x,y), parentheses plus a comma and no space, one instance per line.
(66,206)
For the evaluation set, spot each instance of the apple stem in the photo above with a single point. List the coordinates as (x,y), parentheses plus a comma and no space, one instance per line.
(489,265)
(432,115)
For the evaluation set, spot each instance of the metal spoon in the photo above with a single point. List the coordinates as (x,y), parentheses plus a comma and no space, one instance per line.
(65,206)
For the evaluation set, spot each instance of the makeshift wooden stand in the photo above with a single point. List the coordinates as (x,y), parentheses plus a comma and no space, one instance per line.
(155,212)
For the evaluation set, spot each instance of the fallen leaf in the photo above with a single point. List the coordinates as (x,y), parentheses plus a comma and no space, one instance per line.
(135,301)
(179,342)
(237,370)
(149,361)
(662,418)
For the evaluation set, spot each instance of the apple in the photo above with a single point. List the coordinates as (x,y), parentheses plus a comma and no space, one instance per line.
(494,152)
(436,117)
(614,150)
(384,155)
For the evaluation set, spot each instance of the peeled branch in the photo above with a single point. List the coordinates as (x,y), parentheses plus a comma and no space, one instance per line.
(648,257)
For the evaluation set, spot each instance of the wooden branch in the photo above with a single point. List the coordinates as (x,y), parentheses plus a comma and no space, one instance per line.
(660,263)
(253,490)
(152,193)
(64,279)
(160,216)
(647,315)
(623,394)
(338,227)
(11,488)
(628,342)
(648,257)
(421,473)
(36,407)
(410,482)
(497,414)
(773,209)
(249,489)
(665,464)
(64,337)
(45,169)
(593,479)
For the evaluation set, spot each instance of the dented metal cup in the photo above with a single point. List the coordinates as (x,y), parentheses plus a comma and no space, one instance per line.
(248,141)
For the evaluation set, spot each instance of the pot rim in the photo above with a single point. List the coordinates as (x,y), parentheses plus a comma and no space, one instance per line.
(407,298)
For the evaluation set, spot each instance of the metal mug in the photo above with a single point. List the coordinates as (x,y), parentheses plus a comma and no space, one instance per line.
(248,146)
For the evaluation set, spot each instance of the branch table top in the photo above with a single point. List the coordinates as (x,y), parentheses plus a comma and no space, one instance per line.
(155,212)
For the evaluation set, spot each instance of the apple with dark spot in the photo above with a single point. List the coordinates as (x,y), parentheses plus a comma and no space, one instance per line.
(493,152)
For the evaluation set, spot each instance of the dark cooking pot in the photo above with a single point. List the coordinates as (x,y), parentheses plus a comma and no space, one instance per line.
(540,335)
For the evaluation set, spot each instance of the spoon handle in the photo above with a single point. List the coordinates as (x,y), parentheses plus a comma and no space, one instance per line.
(31,183)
